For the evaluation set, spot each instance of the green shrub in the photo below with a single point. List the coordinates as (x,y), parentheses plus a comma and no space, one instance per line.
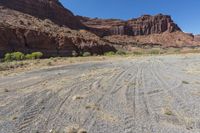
(28,56)
(34,55)
(119,52)
(14,56)
(8,57)
(109,53)
(37,55)
(18,56)
(85,54)
(168,112)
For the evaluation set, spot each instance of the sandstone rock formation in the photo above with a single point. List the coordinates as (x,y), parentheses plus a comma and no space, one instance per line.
(197,37)
(144,25)
(46,26)
(22,32)
(45,9)
(164,40)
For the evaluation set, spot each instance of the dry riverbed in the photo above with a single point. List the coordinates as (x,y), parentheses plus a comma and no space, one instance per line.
(152,94)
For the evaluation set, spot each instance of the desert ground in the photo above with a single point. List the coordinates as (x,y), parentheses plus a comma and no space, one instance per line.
(150,94)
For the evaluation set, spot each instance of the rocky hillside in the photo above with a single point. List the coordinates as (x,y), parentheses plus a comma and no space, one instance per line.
(46,26)
(144,25)
(197,37)
(23,32)
(45,9)
(164,40)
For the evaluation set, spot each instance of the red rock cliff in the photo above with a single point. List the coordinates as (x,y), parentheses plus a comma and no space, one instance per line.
(46,26)
(197,37)
(45,9)
(26,33)
(144,25)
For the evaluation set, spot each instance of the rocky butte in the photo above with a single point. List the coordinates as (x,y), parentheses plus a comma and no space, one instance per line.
(145,25)
(46,26)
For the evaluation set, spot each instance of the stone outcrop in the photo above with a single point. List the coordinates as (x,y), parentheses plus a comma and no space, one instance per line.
(163,40)
(145,25)
(46,26)
(197,37)
(45,9)
(22,32)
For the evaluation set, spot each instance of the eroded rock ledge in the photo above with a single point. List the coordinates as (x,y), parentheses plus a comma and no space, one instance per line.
(46,26)
(145,25)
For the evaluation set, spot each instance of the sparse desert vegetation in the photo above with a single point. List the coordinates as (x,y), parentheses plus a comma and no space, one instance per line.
(111,53)
(167,111)
(17,56)
(77,97)
(18,61)
(185,82)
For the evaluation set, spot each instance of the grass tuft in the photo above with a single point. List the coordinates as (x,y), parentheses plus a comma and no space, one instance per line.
(185,82)
(168,111)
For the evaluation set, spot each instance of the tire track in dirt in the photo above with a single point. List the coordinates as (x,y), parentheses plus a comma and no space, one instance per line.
(91,118)
(144,114)
(114,89)
(68,100)
(119,100)
(33,107)
(128,94)
(191,122)
(180,109)
(93,88)
(129,100)
(32,110)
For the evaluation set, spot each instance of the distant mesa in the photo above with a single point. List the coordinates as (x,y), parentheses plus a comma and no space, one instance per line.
(53,10)
(145,25)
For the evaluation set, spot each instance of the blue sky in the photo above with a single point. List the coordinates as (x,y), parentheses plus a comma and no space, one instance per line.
(186,13)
